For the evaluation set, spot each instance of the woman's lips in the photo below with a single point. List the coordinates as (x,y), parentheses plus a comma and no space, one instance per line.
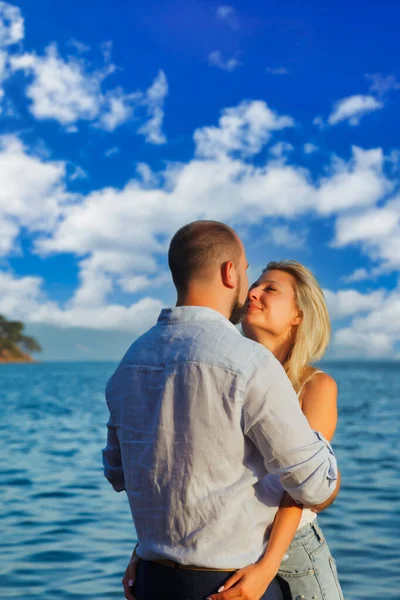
(253,307)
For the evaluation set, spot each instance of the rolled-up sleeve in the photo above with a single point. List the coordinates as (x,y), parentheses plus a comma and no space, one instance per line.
(302,459)
(112,462)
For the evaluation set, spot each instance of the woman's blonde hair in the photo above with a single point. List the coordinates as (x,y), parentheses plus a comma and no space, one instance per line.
(314,331)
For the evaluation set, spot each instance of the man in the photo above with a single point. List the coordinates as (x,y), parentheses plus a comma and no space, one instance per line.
(198,416)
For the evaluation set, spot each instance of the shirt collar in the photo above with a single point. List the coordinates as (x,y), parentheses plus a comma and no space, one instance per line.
(193,314)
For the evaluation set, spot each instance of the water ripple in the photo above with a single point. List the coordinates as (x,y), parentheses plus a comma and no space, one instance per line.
(67,535)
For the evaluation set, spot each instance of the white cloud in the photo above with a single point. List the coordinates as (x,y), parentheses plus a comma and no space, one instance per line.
(11,25)
(23,298)
(374,335)
(360,274)
(225,11)
(154,100)
(112,151)
(353,108)
(388,252)
(393,158)
(117,225)
(384,318)
(119,230)
(281,149)
(286,238)
(95,286)
(78,173)
(9,233)
(245,128)
(32,190)
(11,32)
(360,182)
(146,176)
(137,317)
(345,303)
(78,46)
(377,231)
(216,59)
(228,14)
(69,91)
(117,235)
(134,283)
(118,108)
(319,122)
(60,89)
(20,296)
(310,148)
(350,343)
(381,85)
(4,73)
(277,70)
(369,226)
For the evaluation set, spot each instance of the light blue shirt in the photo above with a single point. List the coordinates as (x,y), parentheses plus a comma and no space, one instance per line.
(198,416)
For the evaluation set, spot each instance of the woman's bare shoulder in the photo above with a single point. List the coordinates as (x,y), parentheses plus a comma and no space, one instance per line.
(320,383)
(319,404)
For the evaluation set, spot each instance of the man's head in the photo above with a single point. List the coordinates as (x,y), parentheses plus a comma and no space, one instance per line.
(208,265)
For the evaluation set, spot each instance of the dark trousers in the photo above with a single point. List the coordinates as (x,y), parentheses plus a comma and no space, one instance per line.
(158,582)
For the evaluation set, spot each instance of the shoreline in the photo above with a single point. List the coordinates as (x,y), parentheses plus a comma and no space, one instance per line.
(7,358)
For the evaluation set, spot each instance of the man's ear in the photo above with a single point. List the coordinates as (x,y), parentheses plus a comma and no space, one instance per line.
(229,275)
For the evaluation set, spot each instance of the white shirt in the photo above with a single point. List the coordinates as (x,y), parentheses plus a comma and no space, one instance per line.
(198,416)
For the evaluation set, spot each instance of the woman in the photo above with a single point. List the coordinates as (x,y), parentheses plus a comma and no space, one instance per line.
(287,314)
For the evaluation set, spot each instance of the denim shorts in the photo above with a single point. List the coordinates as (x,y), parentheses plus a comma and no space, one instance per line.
(308,570)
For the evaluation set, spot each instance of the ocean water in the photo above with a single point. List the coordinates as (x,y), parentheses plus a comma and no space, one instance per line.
(66,534)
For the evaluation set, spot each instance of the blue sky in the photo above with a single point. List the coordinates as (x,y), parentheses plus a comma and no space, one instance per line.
(121,123)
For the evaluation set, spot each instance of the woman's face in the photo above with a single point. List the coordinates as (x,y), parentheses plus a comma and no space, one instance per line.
(272,307)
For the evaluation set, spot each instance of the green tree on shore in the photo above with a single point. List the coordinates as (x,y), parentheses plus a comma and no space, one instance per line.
(13,341)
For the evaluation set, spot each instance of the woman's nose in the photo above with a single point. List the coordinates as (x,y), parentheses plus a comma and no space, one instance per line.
(252,294)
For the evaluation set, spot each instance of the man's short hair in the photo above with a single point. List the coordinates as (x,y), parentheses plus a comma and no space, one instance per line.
(198,249)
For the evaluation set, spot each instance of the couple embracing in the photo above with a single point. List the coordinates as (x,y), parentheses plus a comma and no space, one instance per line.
(221,441)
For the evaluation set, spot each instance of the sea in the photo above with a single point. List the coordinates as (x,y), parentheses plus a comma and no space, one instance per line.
(65,534)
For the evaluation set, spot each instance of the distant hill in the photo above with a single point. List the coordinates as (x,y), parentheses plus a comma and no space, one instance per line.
(14,345)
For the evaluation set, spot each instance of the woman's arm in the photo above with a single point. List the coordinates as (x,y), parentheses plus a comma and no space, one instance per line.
(319,406)
(252,581)
(284,527)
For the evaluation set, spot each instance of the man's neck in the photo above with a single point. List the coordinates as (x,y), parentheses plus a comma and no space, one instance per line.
(208,302)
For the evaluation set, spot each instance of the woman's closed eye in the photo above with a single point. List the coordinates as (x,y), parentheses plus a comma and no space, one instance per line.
(269,288)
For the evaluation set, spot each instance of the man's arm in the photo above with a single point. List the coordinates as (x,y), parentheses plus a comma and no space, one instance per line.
(274,422)
(112,459)
(320,507)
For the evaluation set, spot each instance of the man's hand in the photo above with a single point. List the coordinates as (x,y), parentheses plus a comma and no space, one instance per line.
(130,577)
(248,583)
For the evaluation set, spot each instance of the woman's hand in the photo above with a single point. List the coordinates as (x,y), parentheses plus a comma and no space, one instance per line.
(248,583)
(129,577)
